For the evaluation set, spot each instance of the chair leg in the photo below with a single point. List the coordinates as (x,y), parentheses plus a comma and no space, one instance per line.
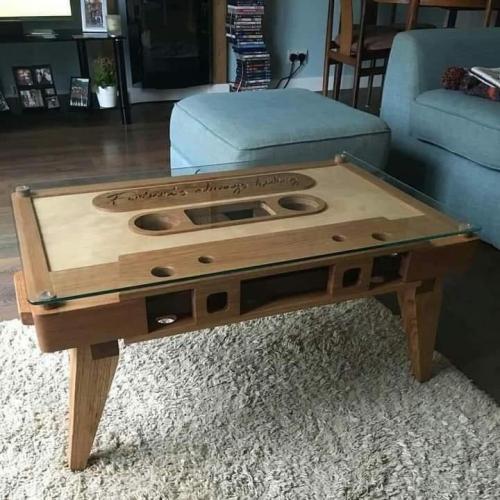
(451,20)
(326,78)
(488,13)
(357,81)
(393,14)
(338,80)
(370,84)
(386,61)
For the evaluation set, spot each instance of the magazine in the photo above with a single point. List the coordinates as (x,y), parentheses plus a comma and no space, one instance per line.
(489,76)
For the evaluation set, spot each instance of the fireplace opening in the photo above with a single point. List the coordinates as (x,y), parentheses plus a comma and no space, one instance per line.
(170,42)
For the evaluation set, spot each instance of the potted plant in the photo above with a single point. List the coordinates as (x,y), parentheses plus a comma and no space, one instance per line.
(105,82)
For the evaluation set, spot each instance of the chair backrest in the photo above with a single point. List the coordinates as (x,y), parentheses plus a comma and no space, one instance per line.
(347,22)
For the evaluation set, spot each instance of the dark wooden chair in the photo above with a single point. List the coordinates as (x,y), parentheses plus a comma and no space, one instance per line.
(359,45)
(453,7)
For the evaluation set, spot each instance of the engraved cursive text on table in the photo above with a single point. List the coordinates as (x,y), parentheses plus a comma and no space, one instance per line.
(192,192)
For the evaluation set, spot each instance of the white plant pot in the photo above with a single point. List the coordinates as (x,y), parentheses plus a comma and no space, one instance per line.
(106,96)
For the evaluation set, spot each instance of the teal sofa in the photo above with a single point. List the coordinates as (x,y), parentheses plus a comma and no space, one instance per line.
(444,142)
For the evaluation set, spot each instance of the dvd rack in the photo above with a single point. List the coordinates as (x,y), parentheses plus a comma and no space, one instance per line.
(244,30)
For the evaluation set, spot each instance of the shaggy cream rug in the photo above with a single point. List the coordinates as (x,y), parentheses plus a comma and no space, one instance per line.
(310,405)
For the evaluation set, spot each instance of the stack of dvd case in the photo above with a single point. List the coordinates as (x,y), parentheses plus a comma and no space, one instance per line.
(244,32)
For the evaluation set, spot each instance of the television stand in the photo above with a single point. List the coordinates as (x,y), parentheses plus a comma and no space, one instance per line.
(81,40)
(42,33)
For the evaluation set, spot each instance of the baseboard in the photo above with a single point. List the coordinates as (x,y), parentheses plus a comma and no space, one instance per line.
(139,95)
(314,83)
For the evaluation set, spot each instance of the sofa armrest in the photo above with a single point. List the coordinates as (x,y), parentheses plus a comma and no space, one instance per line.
(419,58)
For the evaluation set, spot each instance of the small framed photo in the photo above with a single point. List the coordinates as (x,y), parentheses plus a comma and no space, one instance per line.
(94,13)
(23,76)
(52,102)
(43,76)
(49,91)
(4,106)
(32,99)
(79,92)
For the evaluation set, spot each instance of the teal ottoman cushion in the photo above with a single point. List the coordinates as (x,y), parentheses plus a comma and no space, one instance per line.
(273,125)
(465,125)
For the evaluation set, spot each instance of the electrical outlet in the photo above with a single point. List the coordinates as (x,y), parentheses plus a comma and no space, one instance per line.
(298,52)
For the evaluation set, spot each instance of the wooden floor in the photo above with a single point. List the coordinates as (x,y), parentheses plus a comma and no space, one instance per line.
(58,146)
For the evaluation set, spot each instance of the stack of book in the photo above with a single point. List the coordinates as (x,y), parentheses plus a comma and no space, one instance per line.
(244,32)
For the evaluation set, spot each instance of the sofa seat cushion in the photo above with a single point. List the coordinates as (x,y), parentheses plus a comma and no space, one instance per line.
(465,125)
(274,125)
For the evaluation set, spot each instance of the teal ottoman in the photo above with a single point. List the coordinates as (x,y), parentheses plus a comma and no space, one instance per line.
(270,126)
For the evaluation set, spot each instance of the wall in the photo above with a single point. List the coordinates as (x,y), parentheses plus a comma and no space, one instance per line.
(290,24)
(301,24)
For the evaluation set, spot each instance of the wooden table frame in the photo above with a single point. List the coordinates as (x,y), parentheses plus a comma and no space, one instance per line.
(90,328)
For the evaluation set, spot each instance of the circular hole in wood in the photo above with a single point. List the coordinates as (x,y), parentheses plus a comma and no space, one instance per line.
(162,272)
(299,203)
(206,259)
(153,222)
(338,237)
(381,236)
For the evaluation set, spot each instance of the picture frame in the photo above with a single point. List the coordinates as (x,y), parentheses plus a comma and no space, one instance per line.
(4,105)
(23,76)
(79,93)
(31,99)
(43,76)
(36,87)
(52,102)
(94,15)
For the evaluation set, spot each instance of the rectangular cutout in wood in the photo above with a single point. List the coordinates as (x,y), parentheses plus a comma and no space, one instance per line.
(261,292)
(351,277)
(217,302)
(168,309)
(386,268)
(228,212)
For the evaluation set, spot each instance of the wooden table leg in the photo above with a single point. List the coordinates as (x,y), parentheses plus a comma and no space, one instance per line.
(91,373)
(420,308)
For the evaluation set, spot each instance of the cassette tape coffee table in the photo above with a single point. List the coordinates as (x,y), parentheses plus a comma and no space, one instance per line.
(142,259)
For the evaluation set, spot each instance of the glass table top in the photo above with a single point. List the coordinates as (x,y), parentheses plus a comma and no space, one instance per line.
(119,234)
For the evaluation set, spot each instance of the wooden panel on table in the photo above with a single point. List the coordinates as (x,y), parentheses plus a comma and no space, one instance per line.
(23,306)
(440,259)
(68,327)
(31,246)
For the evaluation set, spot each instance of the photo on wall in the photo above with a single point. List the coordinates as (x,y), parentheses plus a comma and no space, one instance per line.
(79,93)
(94,13)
